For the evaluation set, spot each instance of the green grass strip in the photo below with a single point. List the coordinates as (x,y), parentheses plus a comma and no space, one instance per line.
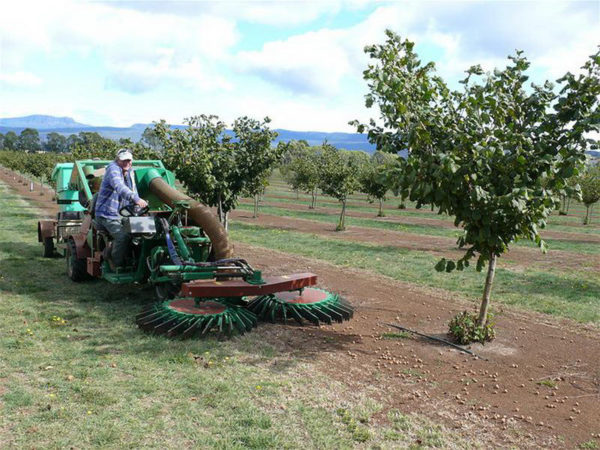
(428,230)
(571,295)
(76,372)
(558,222)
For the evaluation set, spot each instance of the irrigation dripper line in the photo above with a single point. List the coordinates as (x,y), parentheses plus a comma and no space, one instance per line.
(437,339)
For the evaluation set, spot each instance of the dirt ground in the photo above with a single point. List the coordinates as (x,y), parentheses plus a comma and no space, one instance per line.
(436,245)
(536,385)
(428,221)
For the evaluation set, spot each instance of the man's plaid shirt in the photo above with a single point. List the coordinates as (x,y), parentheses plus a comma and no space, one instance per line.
(116,191)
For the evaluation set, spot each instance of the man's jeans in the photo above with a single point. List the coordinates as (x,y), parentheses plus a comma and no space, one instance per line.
(120,237)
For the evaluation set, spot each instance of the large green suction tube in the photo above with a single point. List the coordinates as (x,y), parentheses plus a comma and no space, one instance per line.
(199,214)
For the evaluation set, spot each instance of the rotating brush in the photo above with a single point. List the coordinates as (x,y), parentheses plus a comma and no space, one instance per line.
(312,304)
(185,317)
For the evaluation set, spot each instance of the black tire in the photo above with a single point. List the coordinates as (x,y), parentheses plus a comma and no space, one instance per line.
(48,247)
(76,267)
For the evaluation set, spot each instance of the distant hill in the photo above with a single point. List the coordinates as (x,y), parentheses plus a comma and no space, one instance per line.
(66,126)
(41,122)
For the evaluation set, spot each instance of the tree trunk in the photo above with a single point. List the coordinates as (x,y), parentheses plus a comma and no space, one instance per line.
(342,222)
(256,198)
(380,212)
(588,216)
(313,200)
(226,220)
(220,210)
(563,206)
(568,205)
(485,301)
(297,194)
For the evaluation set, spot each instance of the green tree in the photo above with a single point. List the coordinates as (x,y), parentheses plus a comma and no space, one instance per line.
(10,140)
(29,140)
(493,155)
(215,167)
(340,176)
(89,144)
(151,140)
(304,172)
(255,155)
(374,180)
(1,141)
(590,190)
(56,143)
(72,142)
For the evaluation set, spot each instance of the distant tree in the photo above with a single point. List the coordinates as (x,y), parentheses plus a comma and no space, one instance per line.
(374,179)
(72,142)
(254,152)
(590,190)
(215,167)
(340,176)
(494,155)
(10,140)
(304,172)
(56,143)
(29,140)
(125,142)
(151,140)
(90,144)
(1,141)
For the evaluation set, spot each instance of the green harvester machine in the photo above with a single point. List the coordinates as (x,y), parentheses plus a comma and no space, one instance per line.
(179,247)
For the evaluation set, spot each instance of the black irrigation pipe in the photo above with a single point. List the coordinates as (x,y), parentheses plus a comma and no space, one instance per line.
(437,339)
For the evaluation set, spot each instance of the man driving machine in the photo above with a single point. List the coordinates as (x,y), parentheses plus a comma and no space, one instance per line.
(118,189)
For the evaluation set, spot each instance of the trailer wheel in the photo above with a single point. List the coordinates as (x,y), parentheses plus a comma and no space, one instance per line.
(76,267)
(48,247)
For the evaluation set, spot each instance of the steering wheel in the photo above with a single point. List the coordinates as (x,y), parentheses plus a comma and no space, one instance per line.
(133,210)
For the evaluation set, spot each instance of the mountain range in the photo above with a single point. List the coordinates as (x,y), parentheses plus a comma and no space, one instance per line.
(66,126)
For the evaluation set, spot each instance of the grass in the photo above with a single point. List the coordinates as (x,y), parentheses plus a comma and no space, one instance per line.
(76,372)
(573,295)
(279,191)
(399,335)
(427,230)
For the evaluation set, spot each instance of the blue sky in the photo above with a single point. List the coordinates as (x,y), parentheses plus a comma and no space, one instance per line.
(298,62)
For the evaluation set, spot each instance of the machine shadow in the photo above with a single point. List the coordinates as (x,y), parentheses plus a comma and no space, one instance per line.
(25,272)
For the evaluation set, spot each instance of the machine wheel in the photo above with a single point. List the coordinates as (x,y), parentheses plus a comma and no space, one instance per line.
(76,267)
(184,318)
(48,247)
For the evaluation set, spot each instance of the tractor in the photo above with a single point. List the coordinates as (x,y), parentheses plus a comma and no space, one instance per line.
(180,248)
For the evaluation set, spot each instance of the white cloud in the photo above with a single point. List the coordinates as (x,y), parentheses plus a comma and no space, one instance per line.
(280,13)
(178,57)
(137,48)
(459,34)
(20,79)
(313,62)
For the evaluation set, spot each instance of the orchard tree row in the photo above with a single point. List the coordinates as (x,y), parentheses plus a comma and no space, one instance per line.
(336,173)
(38,165)
(29,141)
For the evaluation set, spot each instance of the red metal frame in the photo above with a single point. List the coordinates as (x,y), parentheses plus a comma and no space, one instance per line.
(240,288)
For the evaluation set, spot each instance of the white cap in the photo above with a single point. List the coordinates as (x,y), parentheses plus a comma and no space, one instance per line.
(124,153)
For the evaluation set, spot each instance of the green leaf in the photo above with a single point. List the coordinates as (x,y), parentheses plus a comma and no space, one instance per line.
(450,266)
(441,265)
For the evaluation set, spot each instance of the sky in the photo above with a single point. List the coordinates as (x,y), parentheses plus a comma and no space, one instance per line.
(116,63)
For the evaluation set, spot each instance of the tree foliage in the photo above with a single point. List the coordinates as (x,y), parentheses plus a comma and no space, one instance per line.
(494,155)
(29,140)
(374,177)
(216,167)
(304,171)
(10,140)
(340,175)
(55,143)
(590,190)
